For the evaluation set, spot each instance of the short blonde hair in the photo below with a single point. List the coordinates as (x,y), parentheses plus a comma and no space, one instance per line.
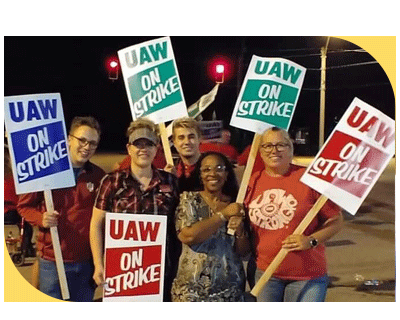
(186,122)
(284,133)
(142,123)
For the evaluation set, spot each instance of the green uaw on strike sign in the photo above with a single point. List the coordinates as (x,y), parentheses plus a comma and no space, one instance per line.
(152,82)
(269,94)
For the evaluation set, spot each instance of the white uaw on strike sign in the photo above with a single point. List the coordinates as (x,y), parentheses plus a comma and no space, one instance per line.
(134,257)
(38,142)
(354,156)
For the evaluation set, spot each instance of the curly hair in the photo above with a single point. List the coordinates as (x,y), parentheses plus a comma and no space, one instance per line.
(230,188)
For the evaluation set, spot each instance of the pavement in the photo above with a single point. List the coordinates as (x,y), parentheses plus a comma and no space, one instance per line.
(361,257)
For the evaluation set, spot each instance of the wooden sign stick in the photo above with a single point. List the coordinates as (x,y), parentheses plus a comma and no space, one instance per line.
(165,144)
(57,248)
(247,172)
(283,252)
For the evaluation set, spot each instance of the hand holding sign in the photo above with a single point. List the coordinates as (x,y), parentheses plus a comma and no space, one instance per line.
(50,219)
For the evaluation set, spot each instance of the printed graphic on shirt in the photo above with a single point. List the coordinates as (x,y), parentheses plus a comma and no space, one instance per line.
(273,209)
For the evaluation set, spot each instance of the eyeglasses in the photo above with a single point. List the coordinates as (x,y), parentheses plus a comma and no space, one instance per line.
(268,147)
(83,142)
(142,144)
(217,169)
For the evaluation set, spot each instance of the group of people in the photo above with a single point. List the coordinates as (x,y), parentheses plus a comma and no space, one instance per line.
(203,262)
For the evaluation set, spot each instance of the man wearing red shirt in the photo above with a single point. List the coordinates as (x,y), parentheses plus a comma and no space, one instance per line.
(73,209)
(186,136)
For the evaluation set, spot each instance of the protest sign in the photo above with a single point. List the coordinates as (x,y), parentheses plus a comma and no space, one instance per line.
(354,156)
(134,257)
(153,86)
(38,142)
(152,81)
(211,130)
(268,97)
(346,168)
(269,94)
(39,154)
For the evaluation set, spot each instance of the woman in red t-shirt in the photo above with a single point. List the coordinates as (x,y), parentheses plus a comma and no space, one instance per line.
(277,202)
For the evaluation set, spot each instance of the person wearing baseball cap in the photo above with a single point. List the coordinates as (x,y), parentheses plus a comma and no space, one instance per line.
(145,190)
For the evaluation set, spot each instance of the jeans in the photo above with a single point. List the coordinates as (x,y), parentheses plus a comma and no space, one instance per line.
(278,290)
(81,286)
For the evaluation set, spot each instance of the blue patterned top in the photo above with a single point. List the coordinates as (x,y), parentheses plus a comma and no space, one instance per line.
(211,270)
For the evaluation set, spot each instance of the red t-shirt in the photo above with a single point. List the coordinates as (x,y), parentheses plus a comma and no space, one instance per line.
(226,149)
(258,163)
(276,206)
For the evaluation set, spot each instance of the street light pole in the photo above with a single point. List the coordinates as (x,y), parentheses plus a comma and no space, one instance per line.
(324,51)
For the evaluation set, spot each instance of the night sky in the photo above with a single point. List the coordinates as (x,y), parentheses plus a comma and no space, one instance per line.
(75,67)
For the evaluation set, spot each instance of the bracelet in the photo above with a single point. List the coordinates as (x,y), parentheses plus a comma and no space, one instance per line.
(243,235)
(221,216)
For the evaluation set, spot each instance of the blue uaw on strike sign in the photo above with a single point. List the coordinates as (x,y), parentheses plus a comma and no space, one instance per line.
(37,141)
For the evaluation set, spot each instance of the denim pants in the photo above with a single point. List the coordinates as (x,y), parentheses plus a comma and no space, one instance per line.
(279,290)
(81,286)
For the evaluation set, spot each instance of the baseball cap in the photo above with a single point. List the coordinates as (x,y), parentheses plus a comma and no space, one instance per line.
(143,133)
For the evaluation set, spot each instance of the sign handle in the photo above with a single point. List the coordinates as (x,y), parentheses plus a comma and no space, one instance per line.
(165,143)
(247,172)
(57,248)
(283,252)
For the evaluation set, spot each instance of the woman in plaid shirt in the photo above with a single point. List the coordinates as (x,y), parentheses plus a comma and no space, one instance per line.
(139,189)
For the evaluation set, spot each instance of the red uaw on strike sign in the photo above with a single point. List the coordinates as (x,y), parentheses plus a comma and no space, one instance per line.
(354,156)
(134,257)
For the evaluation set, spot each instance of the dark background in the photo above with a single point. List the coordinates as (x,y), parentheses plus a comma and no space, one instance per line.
(76,68)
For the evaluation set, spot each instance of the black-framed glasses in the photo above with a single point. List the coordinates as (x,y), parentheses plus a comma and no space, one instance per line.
(217,169)
(83,142)
(268,147)
(142,144)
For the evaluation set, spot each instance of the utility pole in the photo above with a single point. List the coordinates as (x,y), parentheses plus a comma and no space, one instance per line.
(324,51)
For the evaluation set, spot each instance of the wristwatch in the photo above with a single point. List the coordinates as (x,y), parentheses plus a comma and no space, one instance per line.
(313,242)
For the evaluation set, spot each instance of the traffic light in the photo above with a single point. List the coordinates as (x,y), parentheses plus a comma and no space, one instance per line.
(220,69)
(219,72)
(113,68)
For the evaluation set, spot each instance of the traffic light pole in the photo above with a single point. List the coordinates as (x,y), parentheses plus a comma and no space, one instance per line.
(324,50)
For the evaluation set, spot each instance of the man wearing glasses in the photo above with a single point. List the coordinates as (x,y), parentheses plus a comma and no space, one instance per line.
(138,189)
(73,209)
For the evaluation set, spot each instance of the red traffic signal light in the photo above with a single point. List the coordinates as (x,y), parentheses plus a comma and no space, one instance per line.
(220,69)
(112,66)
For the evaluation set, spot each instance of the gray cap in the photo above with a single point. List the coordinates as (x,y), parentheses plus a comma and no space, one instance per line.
(143,133)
